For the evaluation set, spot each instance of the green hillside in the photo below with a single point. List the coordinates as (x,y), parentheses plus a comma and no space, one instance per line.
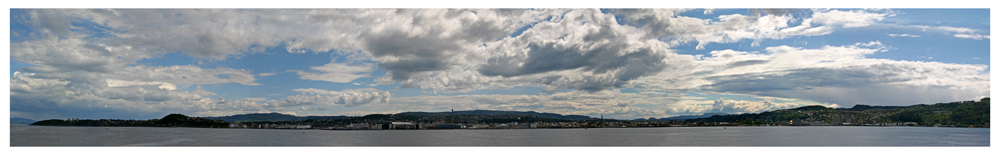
(965,113)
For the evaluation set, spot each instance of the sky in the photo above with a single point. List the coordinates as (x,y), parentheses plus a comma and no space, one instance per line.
(616,63)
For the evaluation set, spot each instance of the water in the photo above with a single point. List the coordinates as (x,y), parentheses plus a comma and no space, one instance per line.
(25,135)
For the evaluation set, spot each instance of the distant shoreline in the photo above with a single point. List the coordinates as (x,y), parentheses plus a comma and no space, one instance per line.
(490,128)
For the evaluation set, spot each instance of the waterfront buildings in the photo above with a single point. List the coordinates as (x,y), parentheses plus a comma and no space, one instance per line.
(360,126)
(402,125)
(837,120)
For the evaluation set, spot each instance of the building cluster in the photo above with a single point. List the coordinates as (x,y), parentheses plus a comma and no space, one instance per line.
(446,123)
(271,126)
(397,122)
(788,117)
(201,119)
(112,122)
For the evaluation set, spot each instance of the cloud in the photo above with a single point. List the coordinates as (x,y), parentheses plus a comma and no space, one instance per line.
(85,63)
(950,29)
(313,109)
(742,106)
(68,54)
(43,98)
(336,72)
(351,97)
(124,83)
(600,56)
(903,35)
(847,19)
(472,48)
(88,59)
(186,75)
(958,32)
(761,24)
(826,74)
(972,36)
(128,99)
(21,83)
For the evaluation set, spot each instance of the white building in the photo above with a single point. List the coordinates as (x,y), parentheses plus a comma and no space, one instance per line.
(480,126)
(402,125)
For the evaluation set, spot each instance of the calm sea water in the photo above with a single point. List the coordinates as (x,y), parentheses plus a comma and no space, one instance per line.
(26,135)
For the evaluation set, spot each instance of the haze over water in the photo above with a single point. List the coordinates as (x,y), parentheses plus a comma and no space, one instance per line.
(25,135)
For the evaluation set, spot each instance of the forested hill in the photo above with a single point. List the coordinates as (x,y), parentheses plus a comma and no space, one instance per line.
(172,120)
(963,113)
(271,117)
(685,117)
(492,112)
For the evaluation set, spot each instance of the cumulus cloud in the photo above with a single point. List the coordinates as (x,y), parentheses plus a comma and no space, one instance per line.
(473,48)
(22,84)
(848,19)
(760,24)
(416,46)
(70,53)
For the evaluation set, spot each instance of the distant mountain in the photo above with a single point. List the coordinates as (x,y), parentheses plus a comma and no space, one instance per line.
(18,120)
(493,112)
(272,117)
(684,117)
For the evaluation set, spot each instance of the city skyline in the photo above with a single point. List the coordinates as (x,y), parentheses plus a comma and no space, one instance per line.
(616,63)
